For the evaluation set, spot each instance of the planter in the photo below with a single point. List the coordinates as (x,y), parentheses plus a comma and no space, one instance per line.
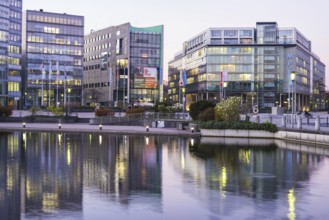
(236,133)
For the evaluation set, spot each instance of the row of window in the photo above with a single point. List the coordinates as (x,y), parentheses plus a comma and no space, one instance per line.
(230,59)
(232,33)
(54,49)
(100,37)
(54,39)
(54,29)
(139,39)
(98,47)
(96,85)
(15,3)
(9,60)
(230,50)
(56,19)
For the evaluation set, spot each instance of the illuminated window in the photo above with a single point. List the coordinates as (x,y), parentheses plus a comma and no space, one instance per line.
(244,77)
(13,86)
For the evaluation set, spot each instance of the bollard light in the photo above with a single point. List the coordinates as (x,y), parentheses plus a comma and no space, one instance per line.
(100,127)
(147,128)
(59,126)
(192,129)
(24,124)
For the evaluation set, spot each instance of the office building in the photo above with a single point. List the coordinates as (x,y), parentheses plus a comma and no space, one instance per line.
(123,66)
(254,63)
(10,52)
(52,58)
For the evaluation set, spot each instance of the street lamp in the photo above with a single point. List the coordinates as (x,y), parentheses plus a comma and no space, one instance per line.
(224,90)
(293,104)
(69,92)
(183,90)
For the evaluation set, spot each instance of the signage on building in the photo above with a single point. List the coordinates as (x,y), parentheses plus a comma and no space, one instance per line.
(290,59)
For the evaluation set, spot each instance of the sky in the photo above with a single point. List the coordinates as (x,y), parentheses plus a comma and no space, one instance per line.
(183,19)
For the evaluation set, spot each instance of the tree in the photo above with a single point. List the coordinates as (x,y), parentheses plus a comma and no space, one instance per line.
(229,110)
(197,107)
(93,95)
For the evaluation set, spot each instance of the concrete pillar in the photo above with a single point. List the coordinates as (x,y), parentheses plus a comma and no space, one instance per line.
(299,122)
(284,121)
(317,123)
(257,119)
(271,119)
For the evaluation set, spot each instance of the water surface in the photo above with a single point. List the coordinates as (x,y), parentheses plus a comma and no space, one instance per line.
(92,176)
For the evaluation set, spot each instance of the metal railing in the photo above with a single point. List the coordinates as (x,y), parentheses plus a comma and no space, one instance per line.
(293,121)
(149,116)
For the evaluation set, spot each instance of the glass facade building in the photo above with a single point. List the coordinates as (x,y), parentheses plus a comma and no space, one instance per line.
(123,66)
(254,63)
(52,58)
(10,52)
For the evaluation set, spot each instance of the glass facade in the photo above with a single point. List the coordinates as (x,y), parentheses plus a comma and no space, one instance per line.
(10,53)
(256,64)
(145,66)
(53,58)
(123,66)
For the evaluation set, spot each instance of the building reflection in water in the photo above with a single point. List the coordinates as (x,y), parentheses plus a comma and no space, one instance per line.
(42,174)
(258,170)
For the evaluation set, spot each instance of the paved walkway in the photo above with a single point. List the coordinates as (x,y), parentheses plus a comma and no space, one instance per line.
(81,127)
(84,127)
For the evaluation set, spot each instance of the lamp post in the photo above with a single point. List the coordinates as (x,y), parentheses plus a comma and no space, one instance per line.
(224,90)
(69,96)
(183,90)
(293,103)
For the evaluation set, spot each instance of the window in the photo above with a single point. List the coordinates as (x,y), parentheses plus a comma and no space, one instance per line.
(216,33)
(230,33)
(245,33)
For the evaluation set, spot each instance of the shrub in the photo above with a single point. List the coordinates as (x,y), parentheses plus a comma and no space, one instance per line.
(34,110)
(197,107)
(207,115)
(58,111)
(6,111)
(102,112)
(238,125)
(135,110)
(229,109)
(164,107)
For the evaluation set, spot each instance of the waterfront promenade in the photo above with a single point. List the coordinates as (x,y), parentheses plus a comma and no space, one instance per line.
(307,127)
(86,127)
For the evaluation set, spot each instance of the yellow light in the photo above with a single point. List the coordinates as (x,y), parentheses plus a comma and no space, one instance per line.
(100,139)
(49,202)
(291,203)
(225,84)
(59,138)
(183,163)
(292,76)
(68,155)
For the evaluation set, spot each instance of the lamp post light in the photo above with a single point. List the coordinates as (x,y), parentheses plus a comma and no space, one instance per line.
(293,103)
(224,89)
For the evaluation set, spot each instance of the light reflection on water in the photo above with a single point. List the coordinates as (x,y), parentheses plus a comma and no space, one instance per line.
(93,176)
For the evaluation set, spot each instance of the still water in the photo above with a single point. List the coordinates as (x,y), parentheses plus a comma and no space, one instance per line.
(92,176)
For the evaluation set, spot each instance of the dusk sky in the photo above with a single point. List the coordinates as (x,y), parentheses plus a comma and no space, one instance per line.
(182,19)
